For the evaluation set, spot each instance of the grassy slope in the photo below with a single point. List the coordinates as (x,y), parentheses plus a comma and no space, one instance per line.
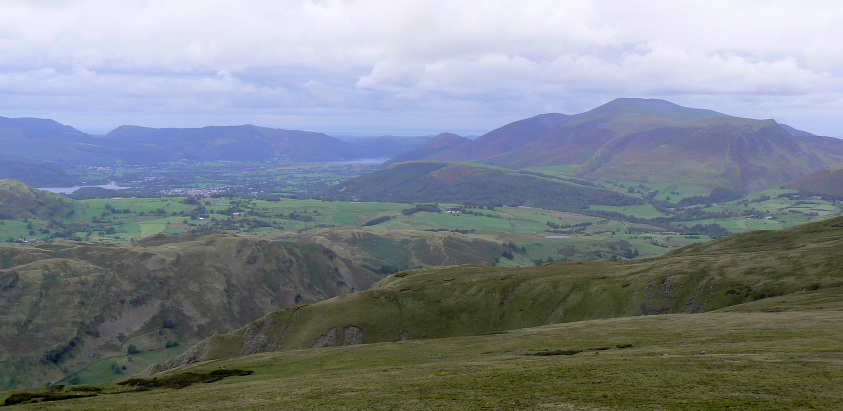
(779,349)
(470,300)
(18,201)
(401,248)
(161,289)
(748,359)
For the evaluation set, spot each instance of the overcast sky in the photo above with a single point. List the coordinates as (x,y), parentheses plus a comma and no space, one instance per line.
(413,67)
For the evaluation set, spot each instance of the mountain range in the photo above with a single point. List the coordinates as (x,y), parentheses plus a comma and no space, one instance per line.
(627,139)
(40,140)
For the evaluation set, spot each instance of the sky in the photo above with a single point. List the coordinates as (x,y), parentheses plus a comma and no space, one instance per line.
(410,67)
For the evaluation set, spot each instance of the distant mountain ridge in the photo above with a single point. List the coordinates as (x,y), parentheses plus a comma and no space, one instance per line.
(232,143)
(39,140)
(642,140)
(441,142)
(654,141)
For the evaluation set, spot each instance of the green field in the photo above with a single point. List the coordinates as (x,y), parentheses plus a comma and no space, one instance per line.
(541,235)
(544,234)
(123,366)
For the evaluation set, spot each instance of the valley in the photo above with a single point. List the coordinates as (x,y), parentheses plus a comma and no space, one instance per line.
(550,238)
(421,205)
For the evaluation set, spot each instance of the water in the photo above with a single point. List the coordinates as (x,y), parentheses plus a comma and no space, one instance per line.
(70,190)
(557,236)
(357,161)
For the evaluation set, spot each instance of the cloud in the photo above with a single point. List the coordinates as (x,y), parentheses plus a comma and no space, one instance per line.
(414,64)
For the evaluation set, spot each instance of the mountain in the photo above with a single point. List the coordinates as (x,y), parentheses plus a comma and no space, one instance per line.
(498,141)
(470,183)
(828,181)
(656,141)
(19,201)
(473,300)
(14,130)
(66,306)
(432,147)
(48,140)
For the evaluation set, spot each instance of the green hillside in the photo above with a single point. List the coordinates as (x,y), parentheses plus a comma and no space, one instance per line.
(756,360)
(469,183)
(396,249)
(70,306)
(775,342)
(471,300)
(18,201)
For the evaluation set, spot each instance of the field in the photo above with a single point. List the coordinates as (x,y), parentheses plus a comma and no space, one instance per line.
(122,366)
(254,200)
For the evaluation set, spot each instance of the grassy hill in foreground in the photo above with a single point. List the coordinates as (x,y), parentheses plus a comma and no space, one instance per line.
(471,300)
(469,183)
(775,353)
(68,307)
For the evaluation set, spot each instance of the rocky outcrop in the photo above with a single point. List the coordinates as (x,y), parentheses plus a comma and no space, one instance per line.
(190,356)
